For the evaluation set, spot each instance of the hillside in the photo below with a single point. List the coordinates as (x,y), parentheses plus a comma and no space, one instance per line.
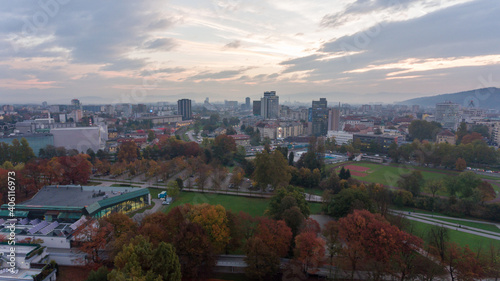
(488,98)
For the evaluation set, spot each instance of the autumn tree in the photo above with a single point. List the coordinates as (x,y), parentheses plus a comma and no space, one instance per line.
(370,239)
(195,251)
(437,237)
(333,243)
(469,138)
(309,250)
(93,238)
(275,234)
(460,165)
(127,152)
(213,220)
(262,262)
(218,175)
(237,177)
(462,263)
(204,172)
(158,227)
(123,229)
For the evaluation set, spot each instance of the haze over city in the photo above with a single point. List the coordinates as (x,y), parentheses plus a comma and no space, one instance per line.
(147,51)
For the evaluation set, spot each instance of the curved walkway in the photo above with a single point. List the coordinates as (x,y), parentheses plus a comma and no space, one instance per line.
(449,225)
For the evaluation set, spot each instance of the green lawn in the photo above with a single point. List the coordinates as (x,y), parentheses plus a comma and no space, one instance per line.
(252,206)
(473,241)
(315,208)
(155,191)
(389,175)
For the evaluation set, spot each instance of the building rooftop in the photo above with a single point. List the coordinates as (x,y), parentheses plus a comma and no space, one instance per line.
(446,133)
(74,196)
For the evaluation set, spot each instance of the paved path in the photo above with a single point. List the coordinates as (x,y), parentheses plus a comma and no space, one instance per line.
(449,225)
(158,206)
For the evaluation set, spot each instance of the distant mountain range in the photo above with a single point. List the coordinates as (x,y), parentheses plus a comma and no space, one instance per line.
(487,98)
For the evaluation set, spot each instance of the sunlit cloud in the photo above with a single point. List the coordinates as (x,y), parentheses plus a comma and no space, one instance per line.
(421,65)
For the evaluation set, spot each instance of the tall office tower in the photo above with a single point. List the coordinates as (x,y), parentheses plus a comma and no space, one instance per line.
(320,115)
(334,119)
(75,103)
(247,103)
(270,105)
(184,109)
(447,113)
(256,107)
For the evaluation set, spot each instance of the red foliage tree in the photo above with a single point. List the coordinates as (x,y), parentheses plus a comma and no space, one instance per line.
(309,250)
(275,234)
(195,251)
(77,169)
(94,237)
(462,263)
(370,239)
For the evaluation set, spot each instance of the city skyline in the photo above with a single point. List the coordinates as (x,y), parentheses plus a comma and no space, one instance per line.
(353,51)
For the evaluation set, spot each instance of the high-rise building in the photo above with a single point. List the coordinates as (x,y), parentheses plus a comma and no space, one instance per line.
(334,119)
(75,103)
(270,105)
(184,109)
(447,113)
(247,103)
(320,115)
(256,107)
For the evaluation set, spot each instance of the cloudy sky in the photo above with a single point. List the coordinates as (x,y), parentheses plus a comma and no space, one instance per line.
(146,51)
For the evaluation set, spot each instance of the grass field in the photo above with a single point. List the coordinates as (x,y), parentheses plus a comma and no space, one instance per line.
(389,175)
(252,206)
(463,239)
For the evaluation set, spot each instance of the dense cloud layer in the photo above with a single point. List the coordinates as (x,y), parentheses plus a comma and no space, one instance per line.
(104,51)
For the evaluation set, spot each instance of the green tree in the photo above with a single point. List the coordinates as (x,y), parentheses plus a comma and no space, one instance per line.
(434,186)
(26,151)
(461,132)
(271,169)
(173,189)
(412,182)
(346,201)
(286,198)
(423,130)
(139,261)
(100,275)
(151,135)
(262,262)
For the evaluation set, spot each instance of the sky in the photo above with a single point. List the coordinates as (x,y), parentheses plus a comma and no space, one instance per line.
(349,51)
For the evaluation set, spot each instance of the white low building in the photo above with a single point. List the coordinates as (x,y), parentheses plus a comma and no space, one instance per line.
(341,137)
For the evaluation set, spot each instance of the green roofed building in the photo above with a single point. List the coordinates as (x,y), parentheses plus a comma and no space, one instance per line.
(68,203)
